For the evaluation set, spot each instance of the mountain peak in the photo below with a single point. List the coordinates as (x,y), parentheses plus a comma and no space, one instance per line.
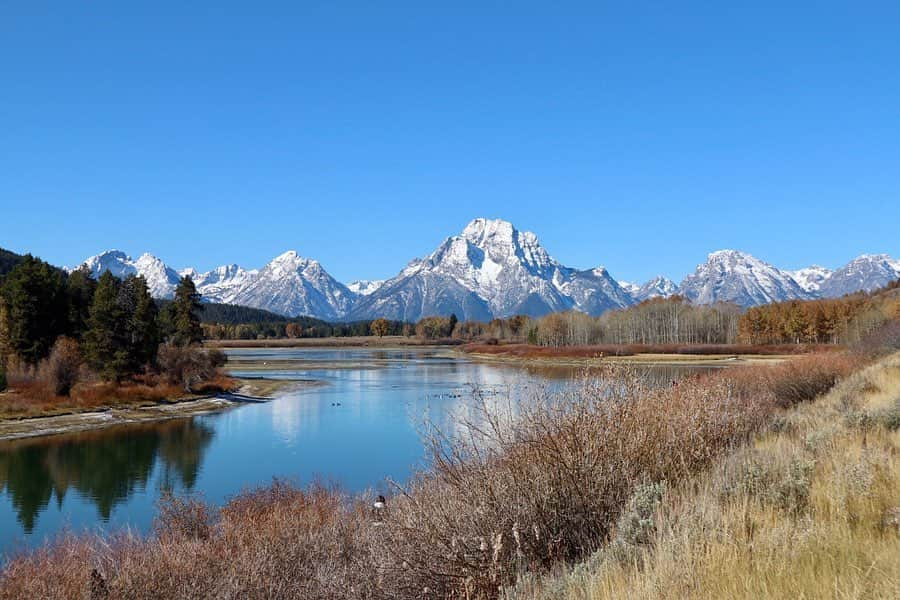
(480,229)
(289,256)
(738,277)
(864,273)
(728,255)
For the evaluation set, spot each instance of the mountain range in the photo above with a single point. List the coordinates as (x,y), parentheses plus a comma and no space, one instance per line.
(491,269)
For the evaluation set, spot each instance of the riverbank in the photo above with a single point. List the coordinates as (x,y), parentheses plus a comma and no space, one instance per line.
(74,419)
(649,359)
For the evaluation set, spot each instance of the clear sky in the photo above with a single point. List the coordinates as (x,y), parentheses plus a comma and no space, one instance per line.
(637,135)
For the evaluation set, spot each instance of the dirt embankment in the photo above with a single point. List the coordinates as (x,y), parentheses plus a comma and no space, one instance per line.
(250,391)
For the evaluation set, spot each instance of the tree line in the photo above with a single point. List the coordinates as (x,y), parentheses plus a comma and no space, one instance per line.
(304,327)
(671,320)
(847,320)
(52,324)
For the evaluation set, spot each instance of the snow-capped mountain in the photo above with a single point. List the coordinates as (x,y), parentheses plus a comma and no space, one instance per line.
(289,285)
(292,285)
(658,287)
(222,283)
(491,269)
(161,280)
(364,287)
(811,278)
(630,287)
(865,273)
(732,276)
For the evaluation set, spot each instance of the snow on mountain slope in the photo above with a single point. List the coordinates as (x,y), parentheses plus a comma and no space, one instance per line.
(864,273)
(364,287)
(631,288)
(738,277)
(658,287)
(223,283)
(593,291)
(292,285)
(811,278)
(491,269)
(161,279)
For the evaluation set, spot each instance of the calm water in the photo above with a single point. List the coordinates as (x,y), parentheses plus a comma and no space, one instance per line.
(357,428)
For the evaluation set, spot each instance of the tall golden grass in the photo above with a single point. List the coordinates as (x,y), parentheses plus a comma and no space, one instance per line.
(517,491)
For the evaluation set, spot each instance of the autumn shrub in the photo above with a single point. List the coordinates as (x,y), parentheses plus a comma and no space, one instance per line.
(188,366)
(543,480)
(60,371)
(183,518)
(804,379)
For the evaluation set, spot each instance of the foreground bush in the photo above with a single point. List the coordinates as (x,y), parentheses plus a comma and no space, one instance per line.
(520,487)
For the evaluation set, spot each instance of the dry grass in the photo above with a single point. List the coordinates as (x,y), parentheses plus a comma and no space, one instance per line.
(517,490)
(810,510)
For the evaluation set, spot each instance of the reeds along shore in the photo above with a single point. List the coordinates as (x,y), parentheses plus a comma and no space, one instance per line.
(605,489)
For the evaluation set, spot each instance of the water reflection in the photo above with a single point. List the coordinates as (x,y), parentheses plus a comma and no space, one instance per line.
(104,466)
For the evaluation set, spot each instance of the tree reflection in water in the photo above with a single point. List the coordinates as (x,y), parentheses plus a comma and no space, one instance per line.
(105,466)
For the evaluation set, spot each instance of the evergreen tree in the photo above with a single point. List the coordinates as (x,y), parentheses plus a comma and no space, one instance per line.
(80,288)
(35,302)
(105,341)
(453,322)
(142,324)
(183,318)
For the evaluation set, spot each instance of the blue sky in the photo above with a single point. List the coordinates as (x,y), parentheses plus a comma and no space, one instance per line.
(638,135)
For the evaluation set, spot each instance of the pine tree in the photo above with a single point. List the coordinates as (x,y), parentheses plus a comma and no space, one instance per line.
(35,308)
(105,344)
(183,317)
(143,326)
(80,288)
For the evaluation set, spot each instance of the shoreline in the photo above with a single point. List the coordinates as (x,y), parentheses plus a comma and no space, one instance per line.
(648,360)
(251,391)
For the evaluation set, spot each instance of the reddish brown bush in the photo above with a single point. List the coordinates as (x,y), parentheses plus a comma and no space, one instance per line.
(797,380)
(189,365)
(60,370)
